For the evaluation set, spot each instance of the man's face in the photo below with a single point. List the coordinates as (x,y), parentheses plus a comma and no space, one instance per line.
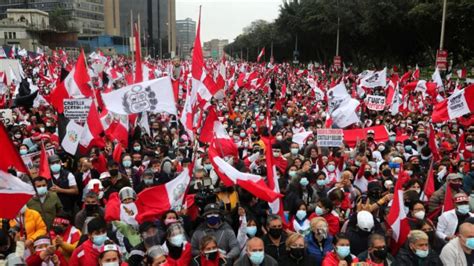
(275,224)
(255,246)
(41,183)
(378,245)
(91,201)
(421,244)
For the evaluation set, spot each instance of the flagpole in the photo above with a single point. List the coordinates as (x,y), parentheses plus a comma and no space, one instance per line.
(443,20)
(132,40)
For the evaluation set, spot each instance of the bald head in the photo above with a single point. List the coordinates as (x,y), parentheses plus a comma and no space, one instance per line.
(255,244)
(466,230)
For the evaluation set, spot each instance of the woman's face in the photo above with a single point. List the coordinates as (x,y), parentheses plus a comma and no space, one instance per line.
(343,243)
(252,223)
(171,216)
(415,187)
(109,256)
(160,260)
(302,207)
(210,246)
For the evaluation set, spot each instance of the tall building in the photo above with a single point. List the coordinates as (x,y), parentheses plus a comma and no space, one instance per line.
(185,34)
(158,32)
(87,16)
(112,17)
(214,48)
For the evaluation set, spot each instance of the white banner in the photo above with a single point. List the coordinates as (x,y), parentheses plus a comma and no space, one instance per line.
(77,109)
(376,103)
(457,105)
(6,117)
(375,79)
(154,95)
(329,137)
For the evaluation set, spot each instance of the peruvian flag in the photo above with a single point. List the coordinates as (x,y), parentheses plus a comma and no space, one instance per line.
(10,155)
(2,53)
(416,73)
(432,144)
(397,219)
(213,132)
(262,53)
(448,203)
(221,74)
(75,85)
(91,135)
(458,104)
(250,182)
(12,53)
(462,73)
(153,202)
(14,194)
(429,188)
(44,166)
(425,87)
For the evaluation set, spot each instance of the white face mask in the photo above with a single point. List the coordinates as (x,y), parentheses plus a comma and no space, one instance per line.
(420,215)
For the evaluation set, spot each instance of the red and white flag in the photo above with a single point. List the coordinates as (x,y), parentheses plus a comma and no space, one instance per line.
(91,135)
(154,201)
(44,166)
(261,54)
(429,188)
(458,104)
(2,53)
(12,52)
(10,155)
(14,194)
(397,218)
(75,85)
(462,73)
(138,56)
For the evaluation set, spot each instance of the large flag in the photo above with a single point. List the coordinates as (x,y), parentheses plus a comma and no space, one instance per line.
(342,107)
(458,104)
(93,128)
(375,79)
(153,202)
(351,136)
(261,54)
(44,166)
(14,194)
(397,219)
(10,155)
(437,79)
(154,95)
(75,85)
(71,139)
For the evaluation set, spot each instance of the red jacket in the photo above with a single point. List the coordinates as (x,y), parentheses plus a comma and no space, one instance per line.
(332,259)
(35,260)
(185,258)
(85,255)
(332,220)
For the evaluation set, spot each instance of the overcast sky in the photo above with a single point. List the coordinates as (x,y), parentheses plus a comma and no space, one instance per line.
(225,19)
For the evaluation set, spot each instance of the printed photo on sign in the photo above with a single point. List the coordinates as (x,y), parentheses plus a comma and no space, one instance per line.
(33,158)
(6,116)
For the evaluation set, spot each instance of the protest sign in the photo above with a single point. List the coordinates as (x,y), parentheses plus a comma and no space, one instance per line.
(6,116)
(77,109)
(329,137)
(31,158)
(376,103)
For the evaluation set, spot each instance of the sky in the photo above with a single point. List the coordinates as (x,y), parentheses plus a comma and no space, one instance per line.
(225,19)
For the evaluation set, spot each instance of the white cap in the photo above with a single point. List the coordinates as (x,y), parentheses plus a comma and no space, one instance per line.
(365,220)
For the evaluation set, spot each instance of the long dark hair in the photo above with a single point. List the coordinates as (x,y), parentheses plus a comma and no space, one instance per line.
(342,236)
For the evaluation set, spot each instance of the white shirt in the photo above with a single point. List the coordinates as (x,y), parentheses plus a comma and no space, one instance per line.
(70,178)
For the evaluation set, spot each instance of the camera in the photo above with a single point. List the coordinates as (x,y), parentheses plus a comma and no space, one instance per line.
(205,194)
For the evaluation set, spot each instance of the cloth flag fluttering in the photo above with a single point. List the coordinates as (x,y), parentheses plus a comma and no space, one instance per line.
(458,104)
(261,54)
(14,194)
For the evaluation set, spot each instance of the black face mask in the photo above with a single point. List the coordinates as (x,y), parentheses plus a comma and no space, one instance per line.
(380,254)
(91,209)
(297,253)
(211,255)
(58,230)
(151,240)
(367,174)
(137,163)
(113,172)
(387,173)
(275,232)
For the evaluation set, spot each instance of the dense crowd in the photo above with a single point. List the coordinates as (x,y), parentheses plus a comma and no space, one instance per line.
(336,200)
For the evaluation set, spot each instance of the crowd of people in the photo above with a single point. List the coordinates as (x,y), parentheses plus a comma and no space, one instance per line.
(336,200)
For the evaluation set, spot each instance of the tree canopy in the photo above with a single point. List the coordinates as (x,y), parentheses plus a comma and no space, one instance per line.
(372,32)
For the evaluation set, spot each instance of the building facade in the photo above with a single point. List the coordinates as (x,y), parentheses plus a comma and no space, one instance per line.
(185,35)
(214,48)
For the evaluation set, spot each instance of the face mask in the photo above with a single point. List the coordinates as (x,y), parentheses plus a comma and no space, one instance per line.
(91,209)
(386,172)
(380,254)
(242,135)
(455,186)
(211,254)
(408,148)
(137,148)
(279,137)
(301,214)
(55,167)
(297,253)
(304,182)
(99,240)
(392,138)
(310,142)
(470,243)
(127,163)
(276,154)
(42,190)
(251,231)
(257,257)
(419,215)
(42,129)
(17,136)
(294,151)
(23,152)
(177,240)
(292,173)
(463,209)
(331,168)
(58,230)
(367,174)
(113,263)
(213,220)
(275,232)
(148,181)
(343,251)
(381,148)
(319,211)
(321,182)
(421,253)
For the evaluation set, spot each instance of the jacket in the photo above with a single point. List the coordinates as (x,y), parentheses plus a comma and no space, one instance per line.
(185,257)
(453,254)
(332,219)
(34,224)
(315,250)
(85,255)
(406,257)
(364,256)
(196,261)
(333,260)
(307,260)
(277,252)
(437,199)
(447,224)
(225,236)
(245,261)
(51,206)
(35,260)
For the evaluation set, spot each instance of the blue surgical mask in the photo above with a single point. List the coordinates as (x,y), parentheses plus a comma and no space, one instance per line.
(137,148)
(319,211)
(242,135)
(470,243)
(304,181)
(177,240)
(127,163)
(294,151)
(208,166)
(251,230)
(301,214)
(292,173)
(408,148)
(148,181)
(56,167)
(257,257)
(463,209)
(343,251)
(23,152)
(42,190)
(321,182)
(392,138)
(99,240)
(422,253)
(331,168)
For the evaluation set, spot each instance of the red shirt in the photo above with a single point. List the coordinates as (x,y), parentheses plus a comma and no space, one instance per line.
(332,259)
(85,254)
